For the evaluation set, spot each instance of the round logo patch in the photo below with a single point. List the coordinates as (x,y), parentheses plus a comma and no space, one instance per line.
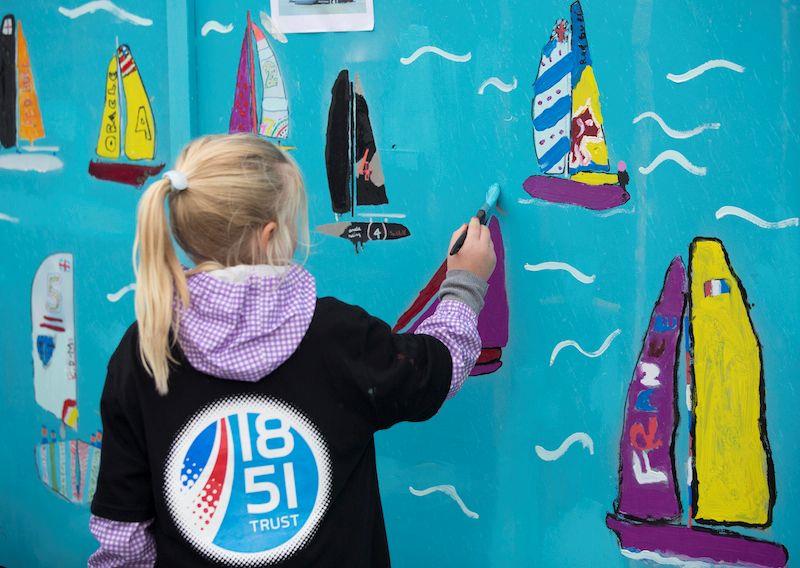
(248,480)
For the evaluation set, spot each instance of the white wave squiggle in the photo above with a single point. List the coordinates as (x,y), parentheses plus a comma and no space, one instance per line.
(106,6)
(702,68)
(117,296)
(570,343)
(448,490)
(499,84)
(678,134)
(215,26)
(678,158)
(755,219)
(440,52)
(661,559)
(552,455)
(8,218)
(554,265)
(272,28)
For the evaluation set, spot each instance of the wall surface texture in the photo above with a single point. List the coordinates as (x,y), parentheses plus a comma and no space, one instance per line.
(729,135)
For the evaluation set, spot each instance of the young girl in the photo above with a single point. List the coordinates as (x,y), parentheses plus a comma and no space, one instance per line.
(239,410)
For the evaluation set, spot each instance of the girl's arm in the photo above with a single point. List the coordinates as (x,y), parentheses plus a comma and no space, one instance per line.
(122,544)
(455,322)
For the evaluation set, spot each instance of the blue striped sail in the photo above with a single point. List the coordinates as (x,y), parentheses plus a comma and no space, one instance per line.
(552,103)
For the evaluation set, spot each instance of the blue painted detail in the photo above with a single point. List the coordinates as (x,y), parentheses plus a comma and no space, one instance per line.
(554,155)
(553,75)
(45,345)
(643,401)
(550,116)
(665,323)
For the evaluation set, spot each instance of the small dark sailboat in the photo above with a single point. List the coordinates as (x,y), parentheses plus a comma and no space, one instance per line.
(355,174)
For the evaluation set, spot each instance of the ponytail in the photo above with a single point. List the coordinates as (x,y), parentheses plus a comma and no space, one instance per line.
(222,192)
(159,276)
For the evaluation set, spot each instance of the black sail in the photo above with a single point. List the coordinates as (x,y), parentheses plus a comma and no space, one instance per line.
(338,144)
(8,82)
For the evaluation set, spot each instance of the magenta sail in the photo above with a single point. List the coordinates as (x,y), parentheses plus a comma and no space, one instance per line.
(243,114)
(647,485)
(693,544)
(493,319)
(570,192)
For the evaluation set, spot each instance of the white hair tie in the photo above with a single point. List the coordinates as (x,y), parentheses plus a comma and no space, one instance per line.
(176,179)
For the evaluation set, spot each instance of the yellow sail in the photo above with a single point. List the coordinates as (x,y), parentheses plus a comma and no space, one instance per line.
(108,142)
(140,141)
(588,145)
(30,116)
(731,452)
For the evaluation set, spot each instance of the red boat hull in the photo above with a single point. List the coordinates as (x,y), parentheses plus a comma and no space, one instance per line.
(129,174)
(570,192)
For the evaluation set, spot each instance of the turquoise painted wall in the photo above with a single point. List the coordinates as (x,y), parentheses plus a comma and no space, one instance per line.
(442,144)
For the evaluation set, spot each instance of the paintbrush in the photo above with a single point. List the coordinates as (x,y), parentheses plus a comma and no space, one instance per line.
(483,215)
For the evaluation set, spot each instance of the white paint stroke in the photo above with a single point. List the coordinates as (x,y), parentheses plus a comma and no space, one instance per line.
(34,149)
(107,6)
(552,455)
(215,26)
(448,490)
(272,28)
(41,163)
(678,158)
(570,343)
(678,134)
(661,559)
(8,218)
(499,84)
(117,296)
(702,68)
(384,215)
(726,210)
(616,211)
(555,265)
(440,52)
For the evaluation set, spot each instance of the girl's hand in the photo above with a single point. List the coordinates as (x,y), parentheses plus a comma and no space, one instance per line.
(477,254)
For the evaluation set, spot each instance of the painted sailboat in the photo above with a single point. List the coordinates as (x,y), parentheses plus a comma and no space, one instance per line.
(355,173)
(138,143)
(274,103)
(20,113)
(731,473)
(55,365)
(493,319)
(568,132)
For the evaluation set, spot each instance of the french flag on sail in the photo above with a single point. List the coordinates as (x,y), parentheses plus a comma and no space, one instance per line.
(716,287)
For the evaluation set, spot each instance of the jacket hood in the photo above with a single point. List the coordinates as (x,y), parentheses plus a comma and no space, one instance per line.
(244,321)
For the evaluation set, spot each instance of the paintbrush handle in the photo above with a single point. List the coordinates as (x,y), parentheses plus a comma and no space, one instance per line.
(481,215)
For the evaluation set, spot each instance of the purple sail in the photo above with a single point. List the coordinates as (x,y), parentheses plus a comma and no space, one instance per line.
(493,319)
(243,113)
(647,485)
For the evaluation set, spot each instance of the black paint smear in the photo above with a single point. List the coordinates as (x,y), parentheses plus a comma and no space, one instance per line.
(8,83)
(338,151)
(367,193)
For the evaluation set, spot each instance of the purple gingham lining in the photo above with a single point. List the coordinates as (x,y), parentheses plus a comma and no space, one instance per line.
(456,325)
(245,330)
(122,544)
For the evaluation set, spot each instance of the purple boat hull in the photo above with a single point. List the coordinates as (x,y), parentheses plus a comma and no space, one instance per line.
(700,544)
(570,192)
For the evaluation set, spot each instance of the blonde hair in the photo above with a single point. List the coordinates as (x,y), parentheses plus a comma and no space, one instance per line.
(236,185)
